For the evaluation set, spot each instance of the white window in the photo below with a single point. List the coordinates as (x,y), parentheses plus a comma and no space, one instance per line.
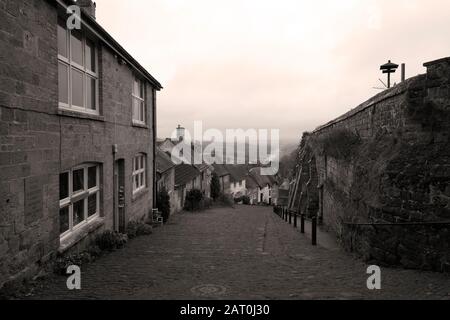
(139,173)
(138,96)
(79,197)
(77,71)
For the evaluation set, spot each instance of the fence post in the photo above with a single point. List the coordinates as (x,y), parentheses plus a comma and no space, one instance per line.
(295,220)
(314,230)
(302,223)
(290,217)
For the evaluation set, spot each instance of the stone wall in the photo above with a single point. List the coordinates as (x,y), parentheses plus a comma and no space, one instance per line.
(383,173)
(38,141)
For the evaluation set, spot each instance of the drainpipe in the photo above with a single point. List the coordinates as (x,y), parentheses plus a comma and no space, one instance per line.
(154,147)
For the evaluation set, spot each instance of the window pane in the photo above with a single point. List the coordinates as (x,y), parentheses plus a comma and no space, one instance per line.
(78,212)
(77,88)
(76,42)
(90,93)
(92,177)
(63,83)
(92,205)
(142,180)
(78,180)
(62,39)
(63,186)
(63,220)
(90,55)
(136,164)
(136,87)
(135,109)
(141,90)
(136,182)
(142,113)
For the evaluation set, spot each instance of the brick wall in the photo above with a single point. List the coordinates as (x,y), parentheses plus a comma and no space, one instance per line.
(397,171)
(38,141)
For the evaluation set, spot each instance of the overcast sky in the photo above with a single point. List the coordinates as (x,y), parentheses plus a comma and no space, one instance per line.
(286,64)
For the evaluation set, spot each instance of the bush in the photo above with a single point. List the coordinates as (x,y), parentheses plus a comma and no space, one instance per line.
(136,229)
(163,204)
(193,200)
(215,186)
(62,263)
(206,203)
(246,200)
(111,240)
(225,200)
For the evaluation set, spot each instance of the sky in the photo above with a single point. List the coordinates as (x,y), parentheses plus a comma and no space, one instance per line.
(287,64)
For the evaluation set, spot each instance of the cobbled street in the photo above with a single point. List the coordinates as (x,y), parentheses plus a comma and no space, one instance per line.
(241,253)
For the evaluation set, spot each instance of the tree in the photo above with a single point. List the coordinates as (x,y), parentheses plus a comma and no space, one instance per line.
(193,200)
(215,186)
(163,204)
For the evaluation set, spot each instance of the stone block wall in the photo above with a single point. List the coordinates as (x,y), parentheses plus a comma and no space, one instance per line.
(384,171)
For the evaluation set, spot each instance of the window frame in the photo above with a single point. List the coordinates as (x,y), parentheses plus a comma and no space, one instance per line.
(83,195)
(141,100)
(88,74)
(136,173)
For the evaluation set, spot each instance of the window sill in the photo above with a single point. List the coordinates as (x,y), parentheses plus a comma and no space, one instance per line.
(140,125)
(76,236)
(79,114)
(140,194)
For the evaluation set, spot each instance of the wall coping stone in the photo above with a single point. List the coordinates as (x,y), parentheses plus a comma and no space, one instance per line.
(397,90)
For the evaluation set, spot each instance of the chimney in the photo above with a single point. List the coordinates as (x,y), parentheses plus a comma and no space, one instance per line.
(403,72)
(180,133)
(88,6)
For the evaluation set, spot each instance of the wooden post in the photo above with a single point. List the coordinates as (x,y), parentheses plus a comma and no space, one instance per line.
(302,223)
(290,217)
(295,220)
(314,231)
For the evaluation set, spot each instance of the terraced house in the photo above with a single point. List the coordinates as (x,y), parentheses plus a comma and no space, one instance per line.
(77,134)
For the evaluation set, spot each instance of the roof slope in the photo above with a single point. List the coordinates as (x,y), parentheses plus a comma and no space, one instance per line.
(237,172)
(185,173)
(220,170)
(163,161)
(260,179)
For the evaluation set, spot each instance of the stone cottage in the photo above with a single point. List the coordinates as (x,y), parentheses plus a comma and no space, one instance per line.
(77,134)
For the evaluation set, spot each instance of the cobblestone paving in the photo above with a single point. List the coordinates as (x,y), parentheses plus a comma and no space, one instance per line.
(241,253)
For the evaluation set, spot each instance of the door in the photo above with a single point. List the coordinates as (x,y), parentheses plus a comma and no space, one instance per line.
(119,196)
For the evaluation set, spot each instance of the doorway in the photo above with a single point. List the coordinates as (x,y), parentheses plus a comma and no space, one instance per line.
(119,196)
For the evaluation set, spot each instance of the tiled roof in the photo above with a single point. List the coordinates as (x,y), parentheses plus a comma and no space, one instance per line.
(262,180)
(163,161)
(250,183)
(220,170)
(238,172)
(185,173)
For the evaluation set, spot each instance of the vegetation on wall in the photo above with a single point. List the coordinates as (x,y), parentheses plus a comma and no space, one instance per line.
(339,143)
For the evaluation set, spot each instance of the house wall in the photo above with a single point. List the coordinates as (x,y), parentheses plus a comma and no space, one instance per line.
(225,184)
(38,141)
(236,188)
(167,181)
